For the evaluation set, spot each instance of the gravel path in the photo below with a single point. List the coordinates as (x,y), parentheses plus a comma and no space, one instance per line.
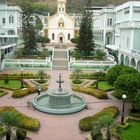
(62,127)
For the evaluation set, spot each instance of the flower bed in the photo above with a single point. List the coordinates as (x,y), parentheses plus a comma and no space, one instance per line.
(85,124)
(94,92)
(23,121)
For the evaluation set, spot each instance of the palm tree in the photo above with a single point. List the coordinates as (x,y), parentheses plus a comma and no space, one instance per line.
(103,122)
(9,119)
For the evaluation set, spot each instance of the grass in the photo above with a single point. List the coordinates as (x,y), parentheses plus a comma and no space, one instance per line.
(132,132)
(103,85)
(2,93)
(12,84)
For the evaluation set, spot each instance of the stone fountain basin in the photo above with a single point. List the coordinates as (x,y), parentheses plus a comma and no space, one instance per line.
(42,104)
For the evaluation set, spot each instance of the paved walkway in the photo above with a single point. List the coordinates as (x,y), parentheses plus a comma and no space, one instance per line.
(62,127)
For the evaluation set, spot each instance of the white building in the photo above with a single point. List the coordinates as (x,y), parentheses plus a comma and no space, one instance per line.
(118,29)
(10,29)
(61,27)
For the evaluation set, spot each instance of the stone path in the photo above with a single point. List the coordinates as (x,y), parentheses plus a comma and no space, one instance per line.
(62,127)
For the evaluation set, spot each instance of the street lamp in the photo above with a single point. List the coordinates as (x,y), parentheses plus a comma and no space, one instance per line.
(39,89)
(22,78)
(97,71)
(123,107)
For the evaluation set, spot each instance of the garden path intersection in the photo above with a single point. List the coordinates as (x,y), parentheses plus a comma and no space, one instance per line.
(63,127)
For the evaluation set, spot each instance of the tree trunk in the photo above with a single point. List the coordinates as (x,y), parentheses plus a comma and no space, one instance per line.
(8,137)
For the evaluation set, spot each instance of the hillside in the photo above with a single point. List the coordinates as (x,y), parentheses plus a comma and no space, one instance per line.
(78,5)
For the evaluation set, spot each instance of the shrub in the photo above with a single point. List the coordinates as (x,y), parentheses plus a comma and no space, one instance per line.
(6,79)
(86,123)
(30,90)
(116,71)
(100,54)
(101,76)
(128,84)
(24,121)
(94,92)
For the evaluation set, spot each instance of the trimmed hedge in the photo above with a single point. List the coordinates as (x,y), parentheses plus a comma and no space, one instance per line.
(86,123)
(101,76)
(30,90)
(94,92)
(25,76)
(25,122)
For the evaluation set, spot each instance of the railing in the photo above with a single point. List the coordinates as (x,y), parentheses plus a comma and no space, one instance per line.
(27,63)
(89,64)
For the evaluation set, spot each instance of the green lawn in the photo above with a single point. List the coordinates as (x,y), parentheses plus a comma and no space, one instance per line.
(13,84)
(132,132)
(103,85)
(2,93)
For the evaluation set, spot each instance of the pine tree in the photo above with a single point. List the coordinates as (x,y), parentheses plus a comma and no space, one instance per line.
(86,42)
(28,30)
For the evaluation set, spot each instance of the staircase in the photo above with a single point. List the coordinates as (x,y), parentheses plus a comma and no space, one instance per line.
(60,60)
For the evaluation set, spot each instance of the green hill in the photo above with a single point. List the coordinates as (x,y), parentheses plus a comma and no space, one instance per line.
(76,6)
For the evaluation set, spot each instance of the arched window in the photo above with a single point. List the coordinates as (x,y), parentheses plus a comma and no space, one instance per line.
(11,19)
(61,23)
(53,36)
(68,36)
(11,32)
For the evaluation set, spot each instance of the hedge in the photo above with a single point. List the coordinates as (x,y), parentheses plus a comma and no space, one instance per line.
(101,76)
(91,91)
(30,90)
(86,123)
(25,76)
(2,93)
(24,121)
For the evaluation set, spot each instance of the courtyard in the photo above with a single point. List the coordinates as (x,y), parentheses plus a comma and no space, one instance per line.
(64,127)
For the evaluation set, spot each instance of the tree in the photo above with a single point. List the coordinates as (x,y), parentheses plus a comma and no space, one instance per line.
(103,124)
(38,25)
(86,42)
(128,84)
(136,103)
(118,70)
(28,29)
(9,119)
(76,74)
(41,74)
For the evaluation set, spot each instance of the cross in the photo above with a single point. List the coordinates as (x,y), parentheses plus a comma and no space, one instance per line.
(60,82)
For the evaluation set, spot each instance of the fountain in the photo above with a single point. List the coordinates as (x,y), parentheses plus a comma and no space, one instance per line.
(59,101)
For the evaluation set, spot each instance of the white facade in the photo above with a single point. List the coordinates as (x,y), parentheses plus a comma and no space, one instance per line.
(61,27)
(10,23)
(123,34)
(10,29)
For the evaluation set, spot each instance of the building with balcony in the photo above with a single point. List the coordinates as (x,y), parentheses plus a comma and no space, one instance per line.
(118,30)
(10,29)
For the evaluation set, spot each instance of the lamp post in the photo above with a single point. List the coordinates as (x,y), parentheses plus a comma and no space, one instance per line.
(21,78)
(97,79)
(123,107)
(39,89)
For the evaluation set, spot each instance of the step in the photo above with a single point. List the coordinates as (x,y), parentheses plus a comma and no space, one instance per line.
(60,63)
(59,68)
(60,54)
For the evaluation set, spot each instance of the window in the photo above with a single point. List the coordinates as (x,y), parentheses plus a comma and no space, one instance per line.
(11,19)
(3,20)
(62,9)
(109,22)
(53,36)
(11,32)
(68,36)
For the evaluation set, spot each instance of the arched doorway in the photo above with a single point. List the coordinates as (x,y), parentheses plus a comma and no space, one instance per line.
(138,66)
(109,38)
(127,61)
(133,63)
(61,38)
(122,59)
